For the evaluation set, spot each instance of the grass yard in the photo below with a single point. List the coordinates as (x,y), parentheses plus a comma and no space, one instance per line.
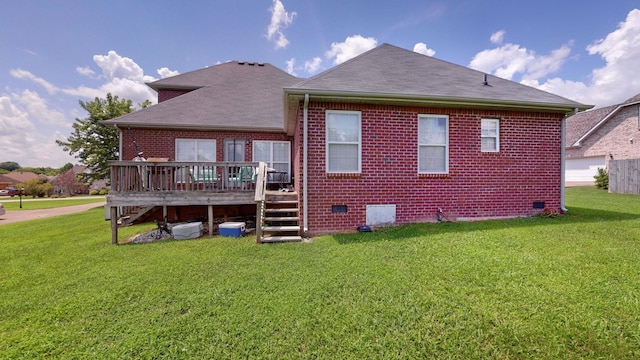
(13,204)
(565,287)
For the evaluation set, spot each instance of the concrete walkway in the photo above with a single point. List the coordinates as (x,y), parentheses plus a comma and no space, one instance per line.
(12,216)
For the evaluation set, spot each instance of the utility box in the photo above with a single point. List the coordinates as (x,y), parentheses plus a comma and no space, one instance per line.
(233,229)
(187,231)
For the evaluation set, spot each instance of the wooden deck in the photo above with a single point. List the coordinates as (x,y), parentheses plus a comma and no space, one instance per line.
(147,185)
(139,187)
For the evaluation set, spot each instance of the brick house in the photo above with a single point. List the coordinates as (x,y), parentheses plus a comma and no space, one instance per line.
(597,136)
(388,137)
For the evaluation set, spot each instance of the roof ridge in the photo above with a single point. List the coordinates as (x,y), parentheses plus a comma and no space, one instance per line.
(336,67)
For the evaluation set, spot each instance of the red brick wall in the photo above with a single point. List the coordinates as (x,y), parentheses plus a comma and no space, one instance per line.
(164,94)
(162,142)
(479,185)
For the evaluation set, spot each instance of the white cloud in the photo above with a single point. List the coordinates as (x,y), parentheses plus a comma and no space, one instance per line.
(280,19)
(38,109)
(616,80)
(421,48)
(312,66)
(508,60)
(24,142)
(351,47)
(116,66)
(14,122)
(24,74)
(86,71)
(497,37)
(291,66)
(164,72)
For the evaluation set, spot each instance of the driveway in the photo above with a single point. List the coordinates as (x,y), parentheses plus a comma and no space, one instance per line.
(25,215)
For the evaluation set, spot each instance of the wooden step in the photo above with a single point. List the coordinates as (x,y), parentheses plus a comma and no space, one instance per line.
(274,239)
(281,210)
(282,218)
(281,228)
(274,201)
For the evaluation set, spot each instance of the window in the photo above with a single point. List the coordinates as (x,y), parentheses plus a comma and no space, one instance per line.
(344,144)
(490,135)
(433,144)
(194,150)
(275,153)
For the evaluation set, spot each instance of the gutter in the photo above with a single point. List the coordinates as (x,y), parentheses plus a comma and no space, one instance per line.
(445,101)
(305,190)
(120,141)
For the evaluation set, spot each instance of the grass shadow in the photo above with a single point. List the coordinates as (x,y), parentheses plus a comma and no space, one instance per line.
(575,216)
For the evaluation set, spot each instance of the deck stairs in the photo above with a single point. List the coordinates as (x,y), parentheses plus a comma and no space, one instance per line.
(134,215)
(281,221)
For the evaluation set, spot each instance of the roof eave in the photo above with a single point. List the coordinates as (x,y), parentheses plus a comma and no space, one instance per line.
(436,100)
(158,87)
(194,127)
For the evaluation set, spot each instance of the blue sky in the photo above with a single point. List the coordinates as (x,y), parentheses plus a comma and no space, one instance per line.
(55,53)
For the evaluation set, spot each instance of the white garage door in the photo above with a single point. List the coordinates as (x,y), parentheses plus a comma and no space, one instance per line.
(582,169)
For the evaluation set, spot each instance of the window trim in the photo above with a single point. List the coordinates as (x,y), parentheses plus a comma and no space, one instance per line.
(497,137)
(180,175)
(272,142)
(445,145)
(215,149)
(328,143)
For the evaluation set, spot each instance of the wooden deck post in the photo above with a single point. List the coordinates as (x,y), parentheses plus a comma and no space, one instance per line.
(114,224)
(210,217)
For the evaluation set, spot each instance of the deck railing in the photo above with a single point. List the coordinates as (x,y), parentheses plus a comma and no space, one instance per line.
(144,176)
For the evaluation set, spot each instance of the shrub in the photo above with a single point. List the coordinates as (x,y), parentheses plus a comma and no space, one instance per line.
(104,192)
(602,179)
(94,192)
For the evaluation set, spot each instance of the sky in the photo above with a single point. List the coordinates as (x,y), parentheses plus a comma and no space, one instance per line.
(54,54)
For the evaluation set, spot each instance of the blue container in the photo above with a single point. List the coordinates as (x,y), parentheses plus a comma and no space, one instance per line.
(233,229)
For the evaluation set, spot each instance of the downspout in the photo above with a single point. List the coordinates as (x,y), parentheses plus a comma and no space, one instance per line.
(563,135)
(305,191)
(120,148)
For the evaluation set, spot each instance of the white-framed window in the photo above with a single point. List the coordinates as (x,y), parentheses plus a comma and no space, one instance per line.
(344,141)
(277,155)
(194,150)
(490,135)
(433,144)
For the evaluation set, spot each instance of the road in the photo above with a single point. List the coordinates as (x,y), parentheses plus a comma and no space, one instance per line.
(25,215)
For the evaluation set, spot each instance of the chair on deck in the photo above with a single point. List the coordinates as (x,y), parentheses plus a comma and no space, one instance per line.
(244,179)
(206,176)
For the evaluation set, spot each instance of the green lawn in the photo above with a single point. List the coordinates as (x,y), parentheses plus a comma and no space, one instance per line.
(13,204)
(566,287)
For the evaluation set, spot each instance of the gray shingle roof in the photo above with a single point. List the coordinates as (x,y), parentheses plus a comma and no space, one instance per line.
(233,95)
(581,125)
(394,72)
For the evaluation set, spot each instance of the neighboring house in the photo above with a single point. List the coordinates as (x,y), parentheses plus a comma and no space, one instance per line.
(597,136)
(388,137)
(68,184)
(12,179)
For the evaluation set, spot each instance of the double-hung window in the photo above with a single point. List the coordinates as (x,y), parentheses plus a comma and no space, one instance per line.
(490,135)
(275,153)
(194,150)
(344,141)
(433,144)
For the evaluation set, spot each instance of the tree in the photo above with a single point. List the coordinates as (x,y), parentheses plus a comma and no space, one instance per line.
(65,168)
(38,187)
(68,182)
(94,142)
(9,166)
